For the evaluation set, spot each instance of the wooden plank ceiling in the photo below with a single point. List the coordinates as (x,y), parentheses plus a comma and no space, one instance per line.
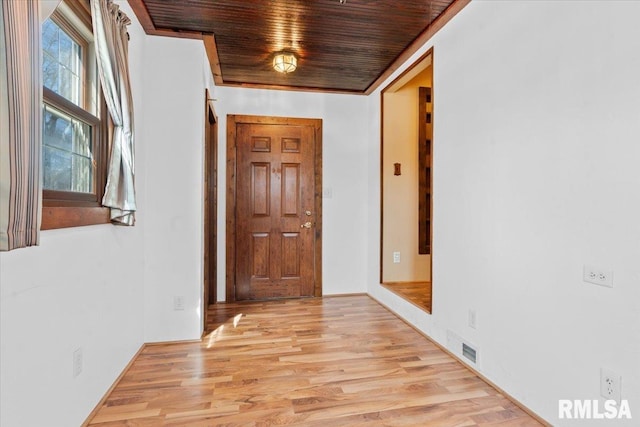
(346,47)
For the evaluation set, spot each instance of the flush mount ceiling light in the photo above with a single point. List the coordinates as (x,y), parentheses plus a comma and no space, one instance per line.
(285,62)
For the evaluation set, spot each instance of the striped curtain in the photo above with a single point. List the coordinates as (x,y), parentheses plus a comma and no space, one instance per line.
(20,124)
(112,53)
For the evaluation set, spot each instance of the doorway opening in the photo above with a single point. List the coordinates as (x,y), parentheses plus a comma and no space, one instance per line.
(210,295)
(406,184)
(274,208)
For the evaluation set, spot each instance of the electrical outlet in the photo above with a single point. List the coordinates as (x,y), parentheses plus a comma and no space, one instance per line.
(597,276)
(178,303)
(472,318)
(396,257)
(610,384)
(77,362)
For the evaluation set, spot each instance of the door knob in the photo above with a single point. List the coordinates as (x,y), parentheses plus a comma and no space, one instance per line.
(306,225)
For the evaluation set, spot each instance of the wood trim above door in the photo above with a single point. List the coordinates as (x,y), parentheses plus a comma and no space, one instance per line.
(232,122)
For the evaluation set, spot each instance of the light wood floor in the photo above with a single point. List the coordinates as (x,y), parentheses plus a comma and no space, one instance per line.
(342,361)
(417,293)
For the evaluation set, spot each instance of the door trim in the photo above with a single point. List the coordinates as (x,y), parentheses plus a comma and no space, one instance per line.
(232,121)
(210,207)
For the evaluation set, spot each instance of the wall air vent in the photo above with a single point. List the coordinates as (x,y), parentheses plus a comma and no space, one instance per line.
(469,352)
(466,351)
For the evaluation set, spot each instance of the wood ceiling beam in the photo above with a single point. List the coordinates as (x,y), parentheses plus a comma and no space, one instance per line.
(291,88)
(429,32)
(214,61)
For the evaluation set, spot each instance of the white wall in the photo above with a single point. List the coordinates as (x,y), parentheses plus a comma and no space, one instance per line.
(109,289)
(174,109)
(63,295)
(81,288)
(344,142)
(536,174)
(47,7)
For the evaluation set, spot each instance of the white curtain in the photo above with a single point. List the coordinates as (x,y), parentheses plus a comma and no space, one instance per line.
(20,124)
(111,42)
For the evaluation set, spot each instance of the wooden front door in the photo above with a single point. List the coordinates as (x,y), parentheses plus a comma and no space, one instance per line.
(275,212)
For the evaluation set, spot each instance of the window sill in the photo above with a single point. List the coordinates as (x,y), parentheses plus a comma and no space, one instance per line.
(73,216)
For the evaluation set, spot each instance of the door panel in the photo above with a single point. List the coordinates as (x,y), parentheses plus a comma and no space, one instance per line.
(274,255)
(260,144)
(260,256)
(291,255)
(260,189)
(290,190)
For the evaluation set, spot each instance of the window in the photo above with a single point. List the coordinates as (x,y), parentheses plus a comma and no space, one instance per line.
(67,152)
(62,61)
(75,123)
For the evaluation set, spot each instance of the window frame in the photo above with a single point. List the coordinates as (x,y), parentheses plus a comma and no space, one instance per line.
(62,209)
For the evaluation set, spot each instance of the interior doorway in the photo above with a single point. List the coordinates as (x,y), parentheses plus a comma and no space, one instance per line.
(406,247)
(274,207)
(210,294)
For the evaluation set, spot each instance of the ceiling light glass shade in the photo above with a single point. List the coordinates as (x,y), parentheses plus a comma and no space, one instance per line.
(285,62)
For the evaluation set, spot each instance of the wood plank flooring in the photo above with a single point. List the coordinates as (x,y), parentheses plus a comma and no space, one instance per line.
(417,293)
(342,361)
